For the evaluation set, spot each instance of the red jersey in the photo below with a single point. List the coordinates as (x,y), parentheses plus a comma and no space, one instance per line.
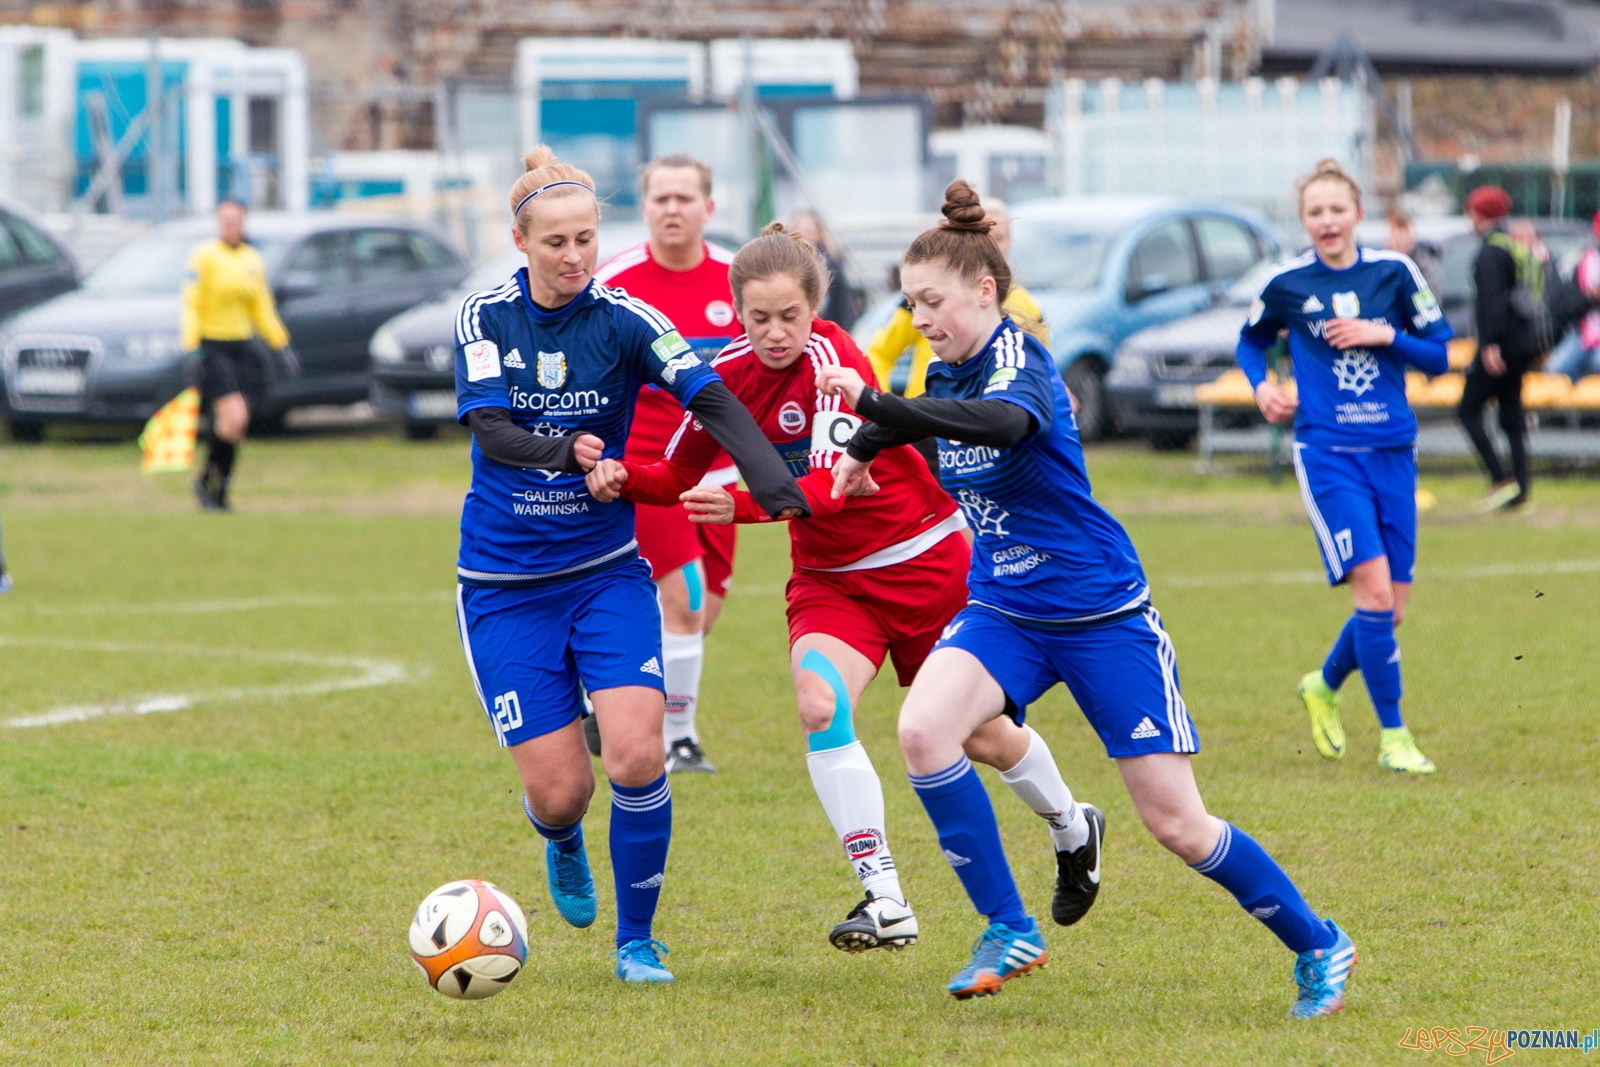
(700,305)
(908,515)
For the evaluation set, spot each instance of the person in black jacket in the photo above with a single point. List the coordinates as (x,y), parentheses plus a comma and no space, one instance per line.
(1508,344)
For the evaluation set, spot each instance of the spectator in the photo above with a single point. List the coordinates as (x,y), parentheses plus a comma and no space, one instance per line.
(1575,355)
(1507,346)
(1403,239)
(838,305)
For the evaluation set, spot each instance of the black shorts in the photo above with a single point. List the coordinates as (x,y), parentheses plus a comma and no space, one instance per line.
(228,367)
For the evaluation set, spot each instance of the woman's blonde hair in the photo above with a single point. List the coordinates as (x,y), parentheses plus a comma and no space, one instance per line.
(1328,170)
(544,170)
(779,250)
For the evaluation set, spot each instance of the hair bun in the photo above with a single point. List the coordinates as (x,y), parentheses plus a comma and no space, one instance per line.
(963,210)
(1328,165)
(542,156)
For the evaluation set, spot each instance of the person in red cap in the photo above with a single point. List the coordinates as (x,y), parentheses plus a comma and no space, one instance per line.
(1508,343)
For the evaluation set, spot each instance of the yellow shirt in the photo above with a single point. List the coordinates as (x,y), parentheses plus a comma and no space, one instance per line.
(226,298)
(889,343)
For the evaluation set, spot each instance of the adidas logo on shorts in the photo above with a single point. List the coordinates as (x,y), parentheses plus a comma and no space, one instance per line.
(652,882)
(1145,729)
(652,666)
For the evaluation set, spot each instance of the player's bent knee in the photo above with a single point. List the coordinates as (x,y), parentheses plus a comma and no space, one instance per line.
(636,762)
(816,702)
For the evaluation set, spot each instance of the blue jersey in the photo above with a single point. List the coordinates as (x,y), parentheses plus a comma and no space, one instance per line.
(1355,398)
(1045,551)
(574,370)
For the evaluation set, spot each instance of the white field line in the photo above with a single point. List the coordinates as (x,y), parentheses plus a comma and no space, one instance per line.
(1493,570)
(212,607)
(364,673)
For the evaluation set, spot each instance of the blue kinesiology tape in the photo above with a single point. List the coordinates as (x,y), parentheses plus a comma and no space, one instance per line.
(695,583)
(842,731)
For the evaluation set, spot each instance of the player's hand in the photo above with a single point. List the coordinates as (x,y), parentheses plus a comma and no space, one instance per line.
(837,381)
(851,477)
(606,479)
(1072,398)
(1357,333)
(1493,362)
(587,449)
(708,503)
(1275,402)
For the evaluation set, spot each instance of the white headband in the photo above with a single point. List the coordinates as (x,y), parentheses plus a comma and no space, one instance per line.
(543,188)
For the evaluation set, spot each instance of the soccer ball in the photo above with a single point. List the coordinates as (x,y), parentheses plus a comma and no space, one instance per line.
(469,939)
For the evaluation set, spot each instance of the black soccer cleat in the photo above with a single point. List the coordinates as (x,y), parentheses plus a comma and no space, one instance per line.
(876,922)
(1078,873)
(684,755)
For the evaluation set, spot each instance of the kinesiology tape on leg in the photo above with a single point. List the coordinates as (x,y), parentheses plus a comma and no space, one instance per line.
(842,730)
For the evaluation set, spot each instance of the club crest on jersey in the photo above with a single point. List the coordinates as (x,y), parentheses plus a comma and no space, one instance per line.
(668,345)
(719,313)
(552,369)
(791,417)
(1312,305)
(1346,306)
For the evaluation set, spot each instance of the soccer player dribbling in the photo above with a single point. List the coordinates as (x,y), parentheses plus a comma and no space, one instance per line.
(685,277)
(552,594)
(1056,593)
(1356,317)
(875,577)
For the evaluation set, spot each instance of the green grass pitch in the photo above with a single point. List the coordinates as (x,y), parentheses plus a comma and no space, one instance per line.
(270,751)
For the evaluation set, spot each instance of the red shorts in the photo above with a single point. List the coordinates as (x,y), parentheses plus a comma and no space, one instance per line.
(667,539)
(717,543)
(896,611)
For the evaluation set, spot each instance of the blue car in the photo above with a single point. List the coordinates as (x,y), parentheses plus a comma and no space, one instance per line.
(1103,267)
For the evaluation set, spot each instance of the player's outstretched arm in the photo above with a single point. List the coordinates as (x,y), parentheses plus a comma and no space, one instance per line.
(503,441)
(994,423)
(720,412)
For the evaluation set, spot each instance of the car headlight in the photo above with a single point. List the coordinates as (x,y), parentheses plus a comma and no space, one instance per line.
(385,347)
(152,347)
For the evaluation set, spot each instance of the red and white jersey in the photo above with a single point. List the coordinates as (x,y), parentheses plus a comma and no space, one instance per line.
(908,515)
(700,305)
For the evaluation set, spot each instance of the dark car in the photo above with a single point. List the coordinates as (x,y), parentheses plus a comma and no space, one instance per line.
(33,266)
(110,352)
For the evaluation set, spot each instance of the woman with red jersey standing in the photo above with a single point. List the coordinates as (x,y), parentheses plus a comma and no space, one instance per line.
(875,576)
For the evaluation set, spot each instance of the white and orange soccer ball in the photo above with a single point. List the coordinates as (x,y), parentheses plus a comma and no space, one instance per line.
(469,939)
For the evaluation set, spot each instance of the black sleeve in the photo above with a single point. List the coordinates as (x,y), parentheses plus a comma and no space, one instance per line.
(1495,275)
(505,442)
(994,423)
(872,438)
(720,412)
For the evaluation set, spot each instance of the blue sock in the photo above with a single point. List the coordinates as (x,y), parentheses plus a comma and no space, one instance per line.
(641,827)
(1244,869)
(1379,656)
(961,813)
(567,838)
(1341,657)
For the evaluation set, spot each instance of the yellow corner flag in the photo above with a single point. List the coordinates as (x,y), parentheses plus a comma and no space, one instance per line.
(168,438)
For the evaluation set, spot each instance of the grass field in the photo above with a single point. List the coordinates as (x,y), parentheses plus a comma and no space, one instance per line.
(227,877)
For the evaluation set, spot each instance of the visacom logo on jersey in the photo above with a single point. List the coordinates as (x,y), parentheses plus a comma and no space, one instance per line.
(552,369)
(719,313)
(1346,306)
(791,417)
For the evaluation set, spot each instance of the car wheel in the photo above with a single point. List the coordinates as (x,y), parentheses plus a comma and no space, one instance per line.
(1085,378)
(421,431)
(1169,440)
(28,433)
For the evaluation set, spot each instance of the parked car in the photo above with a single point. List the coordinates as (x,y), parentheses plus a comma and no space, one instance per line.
(413,354)
(109,352)
(1103,267)
(33,265)
(1150,388)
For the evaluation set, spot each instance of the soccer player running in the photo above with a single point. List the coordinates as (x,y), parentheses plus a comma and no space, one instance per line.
(1356,317)
(552,591)
(226,301)
(1056,593)
(875,576)
(684,277)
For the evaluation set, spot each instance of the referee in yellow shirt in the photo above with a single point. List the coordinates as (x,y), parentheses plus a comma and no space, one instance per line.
(226,301)
(890,342)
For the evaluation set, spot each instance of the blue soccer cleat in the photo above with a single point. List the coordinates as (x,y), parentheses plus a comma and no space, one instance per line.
(1321,974)
(1002,953)
(638,963)
(571,885)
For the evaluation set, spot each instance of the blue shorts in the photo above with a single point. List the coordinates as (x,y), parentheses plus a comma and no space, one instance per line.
(1362,505)
(1124,675)
(533,651)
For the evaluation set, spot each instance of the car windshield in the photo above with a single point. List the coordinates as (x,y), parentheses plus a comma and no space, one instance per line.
(156,263)
(1058,255)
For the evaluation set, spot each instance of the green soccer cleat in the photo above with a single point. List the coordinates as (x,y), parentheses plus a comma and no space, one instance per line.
(1323,704)
(1399,752)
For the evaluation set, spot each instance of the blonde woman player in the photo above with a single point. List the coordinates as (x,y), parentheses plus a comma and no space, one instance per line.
(553,598)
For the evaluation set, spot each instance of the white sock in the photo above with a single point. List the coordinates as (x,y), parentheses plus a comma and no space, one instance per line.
(853,798)
(683,655)
(1038,783)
